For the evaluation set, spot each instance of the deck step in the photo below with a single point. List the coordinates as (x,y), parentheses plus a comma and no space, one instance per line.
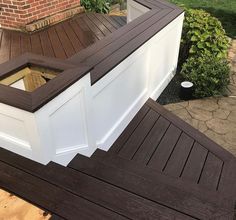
(109,196)
(98,155)
(158,140)
(162,190)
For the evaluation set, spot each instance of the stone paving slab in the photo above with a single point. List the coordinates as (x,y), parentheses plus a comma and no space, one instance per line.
(215,116)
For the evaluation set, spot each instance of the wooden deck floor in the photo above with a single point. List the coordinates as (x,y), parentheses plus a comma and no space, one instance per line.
(159,168)
(62,40)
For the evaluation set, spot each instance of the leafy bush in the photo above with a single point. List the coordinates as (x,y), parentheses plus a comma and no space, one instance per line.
(210,75)
(202,35)
(99,6)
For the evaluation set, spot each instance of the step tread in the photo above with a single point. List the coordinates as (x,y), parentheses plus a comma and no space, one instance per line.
(161,190)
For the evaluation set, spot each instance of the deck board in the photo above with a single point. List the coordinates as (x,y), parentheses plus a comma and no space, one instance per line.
(211,172)
(62,40)
(195,163)
(179,156)
(136,139)
(36,44)
(154,137)
(46,44)
(120,184)
(163,152)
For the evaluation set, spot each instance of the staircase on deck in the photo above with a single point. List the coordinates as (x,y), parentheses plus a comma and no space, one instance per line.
(159,168)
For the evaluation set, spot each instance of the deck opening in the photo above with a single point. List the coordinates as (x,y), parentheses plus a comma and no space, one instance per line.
(29,78)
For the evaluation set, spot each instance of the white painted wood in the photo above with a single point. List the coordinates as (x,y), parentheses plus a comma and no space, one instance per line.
(84,117)
(135,10)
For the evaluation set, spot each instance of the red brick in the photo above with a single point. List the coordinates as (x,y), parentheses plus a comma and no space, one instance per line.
(18,13)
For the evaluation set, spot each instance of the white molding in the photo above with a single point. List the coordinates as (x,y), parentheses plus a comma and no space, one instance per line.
(15,141)
(159,89)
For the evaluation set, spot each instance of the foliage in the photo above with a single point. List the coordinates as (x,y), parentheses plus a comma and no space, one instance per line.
(202,35)
(210,75)
(224,10)
(99,6)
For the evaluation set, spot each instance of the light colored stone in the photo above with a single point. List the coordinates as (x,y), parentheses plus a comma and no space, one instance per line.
(202,126)
(193,122)
(231,54)
(221,114)
(221,126)
(232,89)
(219,139)
(227,103)
(234,78)
(184,104)
(173,107)
(230,137)
(199,114)
(209,104)
(182,113)
(232,118)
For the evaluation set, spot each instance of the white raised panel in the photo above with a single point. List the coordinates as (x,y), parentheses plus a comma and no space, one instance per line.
(13,127)
(68,127)
(62,123)
(14,131)
(163,53)
(117,95)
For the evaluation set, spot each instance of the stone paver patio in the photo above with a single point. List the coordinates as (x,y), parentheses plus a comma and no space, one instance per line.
(216,116)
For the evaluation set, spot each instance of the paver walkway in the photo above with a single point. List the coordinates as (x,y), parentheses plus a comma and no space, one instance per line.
(216,116)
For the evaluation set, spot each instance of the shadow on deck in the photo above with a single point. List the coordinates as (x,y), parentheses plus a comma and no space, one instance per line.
(159,168)
(62,40)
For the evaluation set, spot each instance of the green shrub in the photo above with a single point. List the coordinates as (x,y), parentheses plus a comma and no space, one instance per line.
(202,35)
(99,6)
(210,75)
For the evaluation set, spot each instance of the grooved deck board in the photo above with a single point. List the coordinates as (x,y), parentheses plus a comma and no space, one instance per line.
(15,45)
(165,148)
(151,142)
(77,45)
(46,44)
(99,24)
(97,32)
(51,197)
(174,198)
(179,156)
(195,163)
(106,22)
(136,139)
(62,40)
(65,42)
(25,44)
(36,44)
(130,129)
(212,169)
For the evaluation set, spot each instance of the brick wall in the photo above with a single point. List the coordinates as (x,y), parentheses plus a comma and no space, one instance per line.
(18,13)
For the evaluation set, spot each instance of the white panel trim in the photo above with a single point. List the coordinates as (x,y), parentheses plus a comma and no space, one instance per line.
(15,141)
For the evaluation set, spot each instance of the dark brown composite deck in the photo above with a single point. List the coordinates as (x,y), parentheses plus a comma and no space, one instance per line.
(159,168)
(62,40)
